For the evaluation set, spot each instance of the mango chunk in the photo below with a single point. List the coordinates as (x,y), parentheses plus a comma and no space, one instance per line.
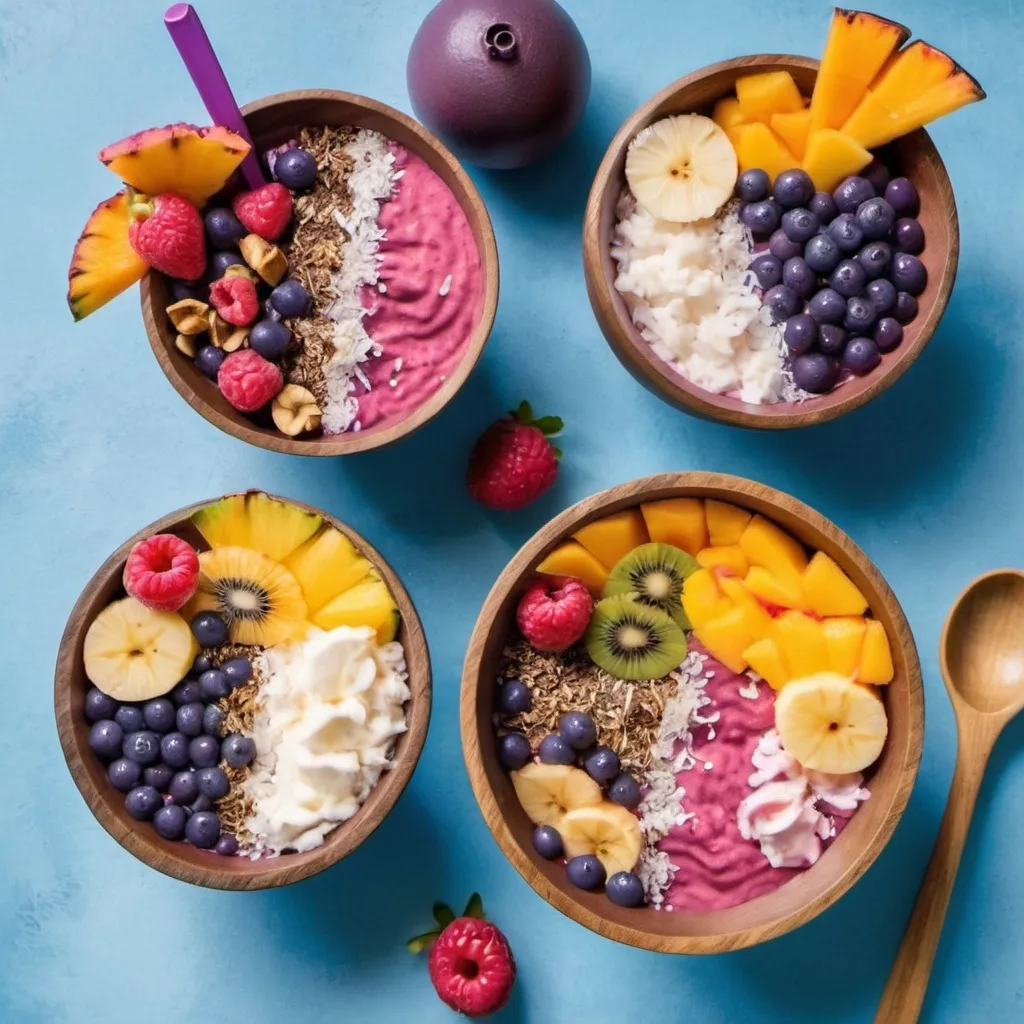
(727,113)
(728,560)
(770,590)
(766,660)
(703,599)
(728,636)
(768,545)
(832,156)
(844,641)
(677,521)
(759,621)
(573,559)
(767,93)
(793,129)
(758,146)
(801,640)
(876,665)
(726,522)
(613,537)
(829,590)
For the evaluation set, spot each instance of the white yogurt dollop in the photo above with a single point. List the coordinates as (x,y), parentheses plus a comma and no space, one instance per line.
(331,708)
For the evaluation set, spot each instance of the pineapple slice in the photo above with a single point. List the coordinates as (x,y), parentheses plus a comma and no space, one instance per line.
(727,113)
(793,129)
(801,640)
(829,590)
(677,521)
(728,560)
(703,599)
(325,566)
(573,559)
(911,72)
(612,538)
(254,520)
(367,604)
(876,657)
(832,156)
(767,93)
(858,46)
(844,640)
(768,545)
(758,146)
(726,522)
(771,590)
(766,660)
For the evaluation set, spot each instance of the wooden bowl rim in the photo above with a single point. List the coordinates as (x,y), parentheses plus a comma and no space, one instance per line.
(696,484)
(619,331)
(142,842)
(356,441)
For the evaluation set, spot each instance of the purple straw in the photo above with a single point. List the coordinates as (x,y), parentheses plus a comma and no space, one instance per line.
(208,76)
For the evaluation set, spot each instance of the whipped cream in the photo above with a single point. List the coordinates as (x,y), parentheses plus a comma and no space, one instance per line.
(330,710)
(789,811)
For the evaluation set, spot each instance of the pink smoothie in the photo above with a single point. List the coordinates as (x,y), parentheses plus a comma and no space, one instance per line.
(718,868)
(433,282)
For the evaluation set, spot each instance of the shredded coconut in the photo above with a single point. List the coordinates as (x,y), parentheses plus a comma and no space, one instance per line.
(446,286)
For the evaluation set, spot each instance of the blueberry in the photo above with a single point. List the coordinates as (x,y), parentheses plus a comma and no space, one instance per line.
(124,775)
(901,195)
(888,334)
(761,217)
(187,691)
(554,749)
(800,225)
(848,279)
(625,889)
(201,803)
(875,258)
(513,698)
(159,714)
(768,270)
(882,293)
(169,821)
(143,802)
(908,273)
(223,228)
(203,830)
(130,718)
(625,790)
(239,750)
(852,192)
(158,776)
(799,278)
(793,188)
(187,290)
(105,739)
(831,339)
(289,298)
(905,308)
(822,254)
(213,782)
(238,670)
(908,236)
(513,750)
(208,360)
(99,706)
(860,314)
(213,719)
(586,872)
(547,842)
(815,372)
(270,339)
(781,246)
(295,169)
(203,663)
(174,749)
(578,729)
(752,186)
(220,261)
(822,204)
(801,333)
(270,313)
(846,233)
(142,747)
(214,684)
(209,629)
(878,174)
(190,719)
(602,764)
(184,787)
(827,306)
(876,218)
(782,302)
(861,356)
(204,751)
(226,846)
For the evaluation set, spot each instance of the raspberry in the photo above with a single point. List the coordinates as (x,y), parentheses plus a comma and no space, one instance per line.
(512,463)
(235,299)
(248,381)
(162,572)
(554,613)
(472,967)
(265,211)
(167,232)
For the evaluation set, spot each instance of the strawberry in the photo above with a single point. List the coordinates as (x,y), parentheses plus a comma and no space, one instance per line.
(554,613)
(167,232)
(265,211)
(470,964)
(512,463)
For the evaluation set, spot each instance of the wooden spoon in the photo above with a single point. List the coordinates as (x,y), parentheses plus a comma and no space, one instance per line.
(982,658)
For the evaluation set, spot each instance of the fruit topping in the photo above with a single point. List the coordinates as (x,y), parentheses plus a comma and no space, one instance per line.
(767,93)
(369,603)
(677,521)
(555,749)
(625,889)
(757,146)
(606,831)
(223,228)
(876,656)
(267,260)
(162,572)
(289,298)
(632,640)
(513,751)
(265,211)
(625,791)
(235,300)
(554,614)
(547,792)
(586,872)
(248,381)
(547,842)
(578,729)
(611,538)
(573,560)
(167,232)
(653,574)
(294,410)
(602,764)
(295,169)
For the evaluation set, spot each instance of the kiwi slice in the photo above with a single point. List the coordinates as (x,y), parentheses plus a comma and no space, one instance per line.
(632,640)
(654,574)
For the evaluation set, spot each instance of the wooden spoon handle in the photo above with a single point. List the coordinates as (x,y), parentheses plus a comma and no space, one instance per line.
(904,993)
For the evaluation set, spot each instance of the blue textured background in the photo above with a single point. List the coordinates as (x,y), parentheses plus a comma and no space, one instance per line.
(96,444)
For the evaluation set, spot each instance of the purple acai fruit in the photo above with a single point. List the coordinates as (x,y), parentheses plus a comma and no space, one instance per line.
(906,307)
(875,258)
(827,306)
(174,749)
(852,192)
(184,788)
(876,218)
(861,356)
(143,802)
(878,174)
(848,279)
(227,845)
(781,302)
(882,293)
(846,233)
(501,89)
(815,372)
(768,270)
(585,872)
(781,246)
(822,254)
(223,228)
(513,750)
(295,168)
(158,776)
(99,706)
(793,188)
(204,751)
(142,747)
(908,236)
(220,262)
(547,842)
(800,225)
(203,830)
(860,314)
(798,276)
(831,339)
(625,889)
(270,339)
(762,217)
(208,360)
(124,775)
(753,185)
(901,195)
(169,821)
(822,204)
(801,333)
(289,298)
(908,273)
(888,334)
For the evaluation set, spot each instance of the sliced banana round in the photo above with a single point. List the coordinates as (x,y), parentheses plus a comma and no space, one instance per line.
(607,831)
(830,723)
(682,168)
(548,791)
(134,653)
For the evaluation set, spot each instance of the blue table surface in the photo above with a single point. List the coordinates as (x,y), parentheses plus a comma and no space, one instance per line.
(96,444)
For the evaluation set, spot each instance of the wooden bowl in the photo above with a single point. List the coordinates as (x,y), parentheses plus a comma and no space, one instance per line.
(798,900)
(272,121)
(180,859)
(914,155)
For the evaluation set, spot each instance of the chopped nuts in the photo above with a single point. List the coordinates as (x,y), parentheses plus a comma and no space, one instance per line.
(185,345)
(237,270)
(267,260)
(295,410)
(189,316)
(224,335)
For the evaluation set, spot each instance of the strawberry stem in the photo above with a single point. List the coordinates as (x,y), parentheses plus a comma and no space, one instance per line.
(547,425)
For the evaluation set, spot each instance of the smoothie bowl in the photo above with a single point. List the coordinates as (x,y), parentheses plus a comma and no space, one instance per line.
(772,247)
(691,712)
(336,309)
(242,692)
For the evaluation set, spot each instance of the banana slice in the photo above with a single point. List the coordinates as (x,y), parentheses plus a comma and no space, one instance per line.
(682,168)
(831,724)
(134,653)
(548,791)
(606,830)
